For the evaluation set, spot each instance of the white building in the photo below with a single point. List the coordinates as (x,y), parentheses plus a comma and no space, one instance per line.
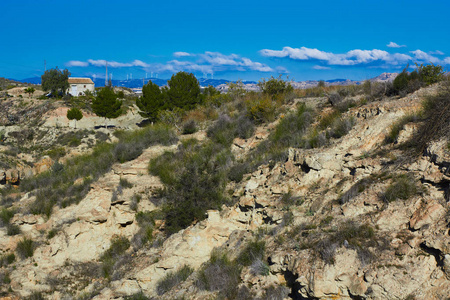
(79,85)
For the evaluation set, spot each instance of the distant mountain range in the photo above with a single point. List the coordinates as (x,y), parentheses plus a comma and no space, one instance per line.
(138,83)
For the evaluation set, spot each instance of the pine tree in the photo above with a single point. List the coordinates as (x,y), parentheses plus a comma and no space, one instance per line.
(55,81)
(151,102)
(74,114)
(106,104)
(184,91)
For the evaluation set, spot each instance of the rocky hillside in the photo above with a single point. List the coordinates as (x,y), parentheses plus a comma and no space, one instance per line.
(320,202)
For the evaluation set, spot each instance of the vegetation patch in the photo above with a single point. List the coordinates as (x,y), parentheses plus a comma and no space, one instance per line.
(220,274)
(195,180)
(56,186)
(25,248)
(402,187)
(173,279)
(118,247)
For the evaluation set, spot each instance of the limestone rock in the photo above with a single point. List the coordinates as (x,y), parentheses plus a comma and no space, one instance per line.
(43,165)
(426,214)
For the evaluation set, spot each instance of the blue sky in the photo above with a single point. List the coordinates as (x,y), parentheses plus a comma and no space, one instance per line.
(249,40)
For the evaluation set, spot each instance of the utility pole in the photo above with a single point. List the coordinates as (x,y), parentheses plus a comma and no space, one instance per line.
(106,77)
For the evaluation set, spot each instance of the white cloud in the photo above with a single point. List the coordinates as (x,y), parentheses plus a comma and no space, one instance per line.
(437,52)
(317,67)
(423,56)
(395,45)
(208,62)
(302,53)
(181,54)
(77,63)
(374,58)
(232,62)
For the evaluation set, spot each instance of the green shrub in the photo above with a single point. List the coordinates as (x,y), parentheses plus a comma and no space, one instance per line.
(275,86)
(327,120)
(244,127)
(5,216)
(173,279)
(431,73)
(55,187)
(277,292)
(220,274)
(7,259)
(402,187)
(341,127)
(123,182)
(423,75)
(288,199)
(292,128)
(25,248)
(259,267)
(435,115)
(334,99)
(253,251)
(397,127)
(12,229)
(118,247)
(222,131)
(348,234)
(261,110)
(190,127)
(138,296)
(195,179)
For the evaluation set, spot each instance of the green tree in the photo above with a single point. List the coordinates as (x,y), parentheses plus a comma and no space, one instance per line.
(430,74)
(29,90)
(106,104)
(210,91)
(321,84)
(74,114)
(151,102)
(55,81)
(275,86)
(184,91)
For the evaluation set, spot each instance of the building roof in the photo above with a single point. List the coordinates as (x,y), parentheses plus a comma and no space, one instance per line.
(75,80)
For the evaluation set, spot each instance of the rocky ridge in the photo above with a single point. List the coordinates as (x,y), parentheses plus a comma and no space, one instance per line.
(408,255)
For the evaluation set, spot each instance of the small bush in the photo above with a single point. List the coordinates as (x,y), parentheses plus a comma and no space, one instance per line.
(334,99)
(138,296)
(252,252)
(25,248)
(190,127)
(12,229)
(341,127)
(220,274)
(5,216)
(261,110)
(118,247)
(172,279)
(244,127)
(288,199)
(275,86)
(195,180)
(397,127)
(350,235)
(402,187)
(259,267)
(277,292)
(124,183)
(236,172)
(59,190)
(7,259)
